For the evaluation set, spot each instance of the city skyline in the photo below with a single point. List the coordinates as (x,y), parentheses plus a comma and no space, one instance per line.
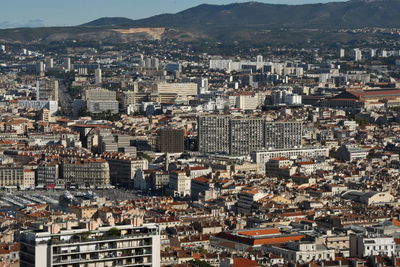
(43,13)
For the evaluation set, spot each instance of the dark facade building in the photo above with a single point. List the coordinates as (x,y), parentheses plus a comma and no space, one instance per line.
(171,140)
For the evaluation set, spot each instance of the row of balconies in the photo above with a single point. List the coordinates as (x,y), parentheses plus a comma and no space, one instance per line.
(95,257)
(103,247)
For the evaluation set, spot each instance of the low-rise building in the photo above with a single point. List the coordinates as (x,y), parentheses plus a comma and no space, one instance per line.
(364,246)
(302,252)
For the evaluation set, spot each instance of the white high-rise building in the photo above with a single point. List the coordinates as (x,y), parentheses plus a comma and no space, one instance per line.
(202,84)
(357,54)
(49,63)
(67,64)
(280,135)
(98,76)
(147,63)
(259,62)
(384,53)
(240,136)
(155,63)
(293,99)
(3,48)
(341,53)
(372,52)
(40,67)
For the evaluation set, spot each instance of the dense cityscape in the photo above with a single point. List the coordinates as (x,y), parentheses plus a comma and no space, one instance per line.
(198,154)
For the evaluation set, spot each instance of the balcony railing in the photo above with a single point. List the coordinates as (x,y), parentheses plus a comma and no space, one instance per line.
(105,238)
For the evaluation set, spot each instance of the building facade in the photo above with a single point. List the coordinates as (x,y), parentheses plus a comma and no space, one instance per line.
(242,135)
(86,172)
(171,140)
(123,245)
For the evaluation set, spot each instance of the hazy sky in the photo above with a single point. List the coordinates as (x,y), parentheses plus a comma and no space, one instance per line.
(20,13)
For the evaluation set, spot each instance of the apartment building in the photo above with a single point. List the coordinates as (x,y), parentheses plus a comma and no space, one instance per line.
(263,156)
(123,169)
(109,142)
(300,252)
(279,167)
(181,89)
(121,245)
(242,135)
(47,90)
(47,174)
(350,153)
(179,184)
(213,132)
(247,200)
(159,179)
(86,172)
(133,97)
(101,100)
(364,246)
(279,135)
(171,140)
(246,135)
(16,176)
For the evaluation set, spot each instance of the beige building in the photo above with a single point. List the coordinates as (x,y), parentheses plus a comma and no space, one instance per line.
(181,89)
(279,167)
(13,176)
(83,212)
(123,169)
(132,97)
(179,184)
(89,172)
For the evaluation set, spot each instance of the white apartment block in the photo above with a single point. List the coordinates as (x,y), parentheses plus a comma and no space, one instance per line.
(263,156)
(363,246)
(122,245)
(302,252)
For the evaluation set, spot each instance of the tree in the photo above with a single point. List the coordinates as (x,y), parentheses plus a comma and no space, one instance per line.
(113,232)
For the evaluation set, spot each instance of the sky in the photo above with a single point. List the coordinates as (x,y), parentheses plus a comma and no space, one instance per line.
(36,13)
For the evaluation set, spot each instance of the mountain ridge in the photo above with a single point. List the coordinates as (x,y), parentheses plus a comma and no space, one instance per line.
(249,21)
(380,13)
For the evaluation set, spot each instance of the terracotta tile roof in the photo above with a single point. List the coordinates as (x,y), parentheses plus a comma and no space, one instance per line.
(396,222)
(271,231)
(241,262)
